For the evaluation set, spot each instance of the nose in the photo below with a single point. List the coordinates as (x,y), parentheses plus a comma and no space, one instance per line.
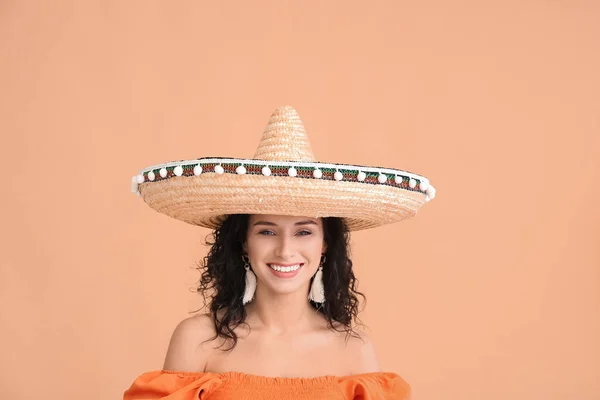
(284,248)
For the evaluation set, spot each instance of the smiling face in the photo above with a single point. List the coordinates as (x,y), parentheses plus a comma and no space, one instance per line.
(284,251)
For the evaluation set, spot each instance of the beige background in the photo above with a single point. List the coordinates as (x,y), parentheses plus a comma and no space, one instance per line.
(491,292)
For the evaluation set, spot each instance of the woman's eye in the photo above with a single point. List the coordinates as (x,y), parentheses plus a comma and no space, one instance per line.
(304,233)
(266,233)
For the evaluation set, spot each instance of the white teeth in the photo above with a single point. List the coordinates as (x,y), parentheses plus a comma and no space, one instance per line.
(284,269)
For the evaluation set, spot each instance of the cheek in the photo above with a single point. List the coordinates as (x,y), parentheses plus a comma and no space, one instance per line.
(256,248)
(314,247)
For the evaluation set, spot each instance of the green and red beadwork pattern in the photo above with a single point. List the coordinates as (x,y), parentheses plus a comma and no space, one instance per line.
(333,172)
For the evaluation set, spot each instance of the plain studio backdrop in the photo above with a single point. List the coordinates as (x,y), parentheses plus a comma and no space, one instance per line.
(491,292)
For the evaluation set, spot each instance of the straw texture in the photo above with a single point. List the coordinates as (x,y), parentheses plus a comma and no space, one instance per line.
(284,138)
(206,199)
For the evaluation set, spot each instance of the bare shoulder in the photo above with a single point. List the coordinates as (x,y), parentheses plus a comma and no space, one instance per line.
(190,345)
(362,354)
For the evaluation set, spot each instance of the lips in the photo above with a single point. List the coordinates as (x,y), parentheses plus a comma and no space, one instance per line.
(285,270)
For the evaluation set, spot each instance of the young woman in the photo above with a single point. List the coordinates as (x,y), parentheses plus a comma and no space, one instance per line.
(278,278)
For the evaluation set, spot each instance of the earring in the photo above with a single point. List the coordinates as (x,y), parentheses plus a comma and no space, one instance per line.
(317,289)
(250,281)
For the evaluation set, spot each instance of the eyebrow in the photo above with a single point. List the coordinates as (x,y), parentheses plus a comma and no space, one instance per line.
(267,223)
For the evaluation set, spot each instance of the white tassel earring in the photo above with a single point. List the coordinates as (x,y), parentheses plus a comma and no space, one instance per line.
(250,288)
(317,290)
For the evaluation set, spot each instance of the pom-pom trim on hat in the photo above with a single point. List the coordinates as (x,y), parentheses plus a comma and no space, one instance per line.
(295,169)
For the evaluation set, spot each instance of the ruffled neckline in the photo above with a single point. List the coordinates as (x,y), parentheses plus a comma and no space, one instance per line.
(242,376)
(180,385)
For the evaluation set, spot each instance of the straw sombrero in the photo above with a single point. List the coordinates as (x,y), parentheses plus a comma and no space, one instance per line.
(282,178)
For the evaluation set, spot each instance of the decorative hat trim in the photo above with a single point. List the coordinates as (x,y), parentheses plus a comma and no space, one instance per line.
(347,172)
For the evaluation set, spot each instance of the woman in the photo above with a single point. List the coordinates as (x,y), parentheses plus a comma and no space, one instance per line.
(283,303)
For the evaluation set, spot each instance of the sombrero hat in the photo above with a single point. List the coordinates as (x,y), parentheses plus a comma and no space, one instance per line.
(282,178)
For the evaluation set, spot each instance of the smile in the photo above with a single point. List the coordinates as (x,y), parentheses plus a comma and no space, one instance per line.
(285,268)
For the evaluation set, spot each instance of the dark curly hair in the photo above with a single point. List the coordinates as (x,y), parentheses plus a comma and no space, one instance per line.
(222,282)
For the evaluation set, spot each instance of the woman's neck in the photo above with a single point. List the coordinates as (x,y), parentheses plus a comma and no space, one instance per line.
(280,314)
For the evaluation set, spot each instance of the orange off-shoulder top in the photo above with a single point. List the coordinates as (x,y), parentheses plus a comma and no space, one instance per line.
(171,385)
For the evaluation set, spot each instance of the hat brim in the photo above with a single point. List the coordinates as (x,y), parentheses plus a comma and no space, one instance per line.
(206,199)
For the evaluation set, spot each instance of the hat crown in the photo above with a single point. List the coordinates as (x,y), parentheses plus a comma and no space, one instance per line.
(284,138)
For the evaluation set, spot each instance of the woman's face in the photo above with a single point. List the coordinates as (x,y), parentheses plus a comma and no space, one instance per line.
(284,251)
